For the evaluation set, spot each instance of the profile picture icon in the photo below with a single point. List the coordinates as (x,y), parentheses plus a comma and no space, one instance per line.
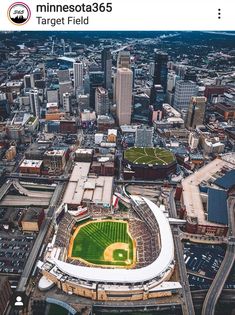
(19,13)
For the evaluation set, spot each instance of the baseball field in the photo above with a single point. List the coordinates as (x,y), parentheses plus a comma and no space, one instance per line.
(149,156)
(106,243)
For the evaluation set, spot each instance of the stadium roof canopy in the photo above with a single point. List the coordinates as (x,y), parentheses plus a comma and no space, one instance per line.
(227,181)
(154,270)
(217,206)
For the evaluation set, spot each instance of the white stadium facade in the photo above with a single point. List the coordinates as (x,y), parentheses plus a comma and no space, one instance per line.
(106,284)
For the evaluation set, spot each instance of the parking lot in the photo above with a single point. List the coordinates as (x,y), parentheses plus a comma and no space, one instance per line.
(14,251)
(202,263)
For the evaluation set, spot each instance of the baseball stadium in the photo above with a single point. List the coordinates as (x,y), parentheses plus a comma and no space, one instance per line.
(110,257)
(150,163)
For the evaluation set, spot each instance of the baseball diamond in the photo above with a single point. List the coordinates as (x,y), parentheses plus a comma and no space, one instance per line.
(103,242)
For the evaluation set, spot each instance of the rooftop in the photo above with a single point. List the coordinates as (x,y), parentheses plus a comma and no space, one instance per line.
(227,181)
(217,206)
(191,192)
(82,187)
(31,163)
(32,215)
(150,156)
(55,152)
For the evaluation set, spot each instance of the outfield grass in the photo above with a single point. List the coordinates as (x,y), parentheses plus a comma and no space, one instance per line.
(149,156)
(93,238)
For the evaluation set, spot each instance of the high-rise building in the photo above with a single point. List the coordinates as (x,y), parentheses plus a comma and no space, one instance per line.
(171,81)
(53,95)
(106,59)
(193,140)
(157,96)
(63,75)
(65,87)
(196,112)
(184,90)
(86,83)
(124,59)
(78,75)
(160,69)
(151,68)
(101,101)
(41,66)
(124,95)
(83,102)
(32,81)
(67,102)
(4,107)
(27,81)
(141,108)
(144,136)
(96,80)
(180,70)
(34,102)
(190,76)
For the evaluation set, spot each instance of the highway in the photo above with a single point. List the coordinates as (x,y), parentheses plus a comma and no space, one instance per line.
(218,283)
(123,307)
(187,306)
(39,241)
(23,201)
(4,188)
(39,179)
(31,193)
(138,181)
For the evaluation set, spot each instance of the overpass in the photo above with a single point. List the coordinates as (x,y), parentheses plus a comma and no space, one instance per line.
(30,193)
(23,201)
(218,283)
(4,188)
(38,178)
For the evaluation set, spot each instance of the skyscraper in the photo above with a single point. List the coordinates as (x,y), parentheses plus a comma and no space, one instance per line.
(124,95)
(63,75)
(53,95)
(65,87)
(27,81)
(34,102)
(171,81)
(96,80)
(196,112)
(66,102)
(160,69)
(106,59)
(4,107)
(124,59)
(78,75)
(157,96)
(184,90)
(101,101)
